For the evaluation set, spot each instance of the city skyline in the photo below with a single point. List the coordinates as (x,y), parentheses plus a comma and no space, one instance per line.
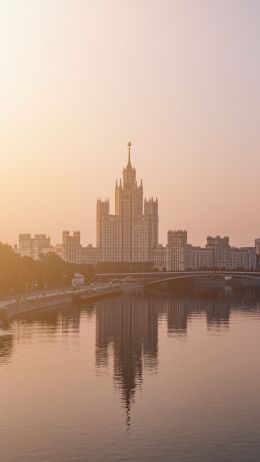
(107,202)
(107,198)
(130,236)
(78,81)
(162,231)
(129,230)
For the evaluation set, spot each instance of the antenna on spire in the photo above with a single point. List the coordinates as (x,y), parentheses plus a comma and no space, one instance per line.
(129,144)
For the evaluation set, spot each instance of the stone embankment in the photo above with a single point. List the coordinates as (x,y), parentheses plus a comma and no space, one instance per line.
(24,304)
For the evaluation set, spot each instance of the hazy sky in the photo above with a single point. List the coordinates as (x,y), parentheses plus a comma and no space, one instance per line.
(180,79)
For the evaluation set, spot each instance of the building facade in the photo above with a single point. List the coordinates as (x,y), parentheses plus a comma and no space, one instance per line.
(218,254)
(176,250)
(71,249)
(198,258)
(160,258)
(90,255)
(220,249)
(131,234)
(33,247)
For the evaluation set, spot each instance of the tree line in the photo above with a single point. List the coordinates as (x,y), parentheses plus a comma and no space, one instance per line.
(18,274)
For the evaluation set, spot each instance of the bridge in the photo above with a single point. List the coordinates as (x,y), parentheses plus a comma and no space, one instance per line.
(159,277)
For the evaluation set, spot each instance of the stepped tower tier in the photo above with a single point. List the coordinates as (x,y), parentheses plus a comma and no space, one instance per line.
(131,234)
(129,173)
(129,196)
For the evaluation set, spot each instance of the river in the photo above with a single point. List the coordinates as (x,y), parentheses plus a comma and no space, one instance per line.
(150,376)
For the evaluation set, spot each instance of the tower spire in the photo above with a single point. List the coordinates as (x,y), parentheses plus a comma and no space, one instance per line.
(129,144)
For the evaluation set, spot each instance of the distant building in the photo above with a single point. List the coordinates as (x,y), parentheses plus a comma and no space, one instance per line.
(131,234)
(25,241)
(176,250)
(242,258)
(35,246)
(199,258)
(71,249)
(220,249)
(160,258)
(90,255)
(218,254)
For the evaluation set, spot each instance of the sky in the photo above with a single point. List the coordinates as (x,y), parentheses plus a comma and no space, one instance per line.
(179,78)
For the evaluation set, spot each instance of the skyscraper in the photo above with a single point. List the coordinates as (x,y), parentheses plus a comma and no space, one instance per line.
(131,234)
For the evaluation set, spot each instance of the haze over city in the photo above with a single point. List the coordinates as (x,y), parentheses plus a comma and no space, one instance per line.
(130,230)
(180,79)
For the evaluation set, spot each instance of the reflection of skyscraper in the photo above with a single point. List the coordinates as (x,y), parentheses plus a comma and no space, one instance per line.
(218,313)
(6,347)
(57,319)
(176,316)
(127,328)
(130,324)
(179,309)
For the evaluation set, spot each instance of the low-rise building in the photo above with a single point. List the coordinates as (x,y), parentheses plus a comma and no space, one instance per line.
(198,258)
(34,247)
(243,258)
(218,254)
(90,255)
(177,255)
(220,249)
(71,248)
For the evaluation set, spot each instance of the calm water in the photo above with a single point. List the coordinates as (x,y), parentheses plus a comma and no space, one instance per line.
(144,377)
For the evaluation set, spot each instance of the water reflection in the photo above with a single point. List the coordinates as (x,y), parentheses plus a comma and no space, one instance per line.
(6,346)
(127,329)
(130,325)
(59,319)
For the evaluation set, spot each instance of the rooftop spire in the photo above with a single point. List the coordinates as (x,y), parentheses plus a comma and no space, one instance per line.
(129,144)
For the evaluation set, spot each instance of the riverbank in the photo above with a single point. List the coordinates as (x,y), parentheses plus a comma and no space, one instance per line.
(23,304)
